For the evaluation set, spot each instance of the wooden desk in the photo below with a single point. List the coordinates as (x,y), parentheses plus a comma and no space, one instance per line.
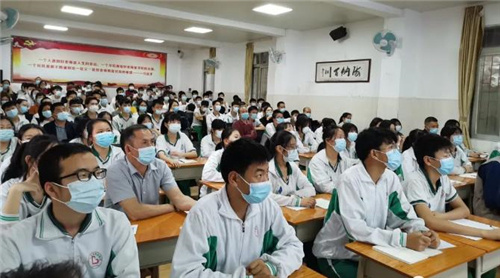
(305,158)
(213,185)
(190,171)
(465,189)
(306,222)
(491,259)
(477,159)
(156,238)
(305,272)
(451,263)
(464,181)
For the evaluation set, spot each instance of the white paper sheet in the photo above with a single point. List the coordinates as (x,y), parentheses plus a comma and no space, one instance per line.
(406,255)
(296,208)
(322,203)
(473,224)
(134,228)
(186,161)
(469,237)
(445,245)
(469,175)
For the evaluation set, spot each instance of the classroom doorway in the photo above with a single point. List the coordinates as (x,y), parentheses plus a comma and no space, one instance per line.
(259,75)
(208,76)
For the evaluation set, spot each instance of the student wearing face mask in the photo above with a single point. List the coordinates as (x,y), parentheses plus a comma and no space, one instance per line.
(290,186)
(174,143)
(318,133)
(182,101)
(56,94)
(61,128)
(11,111)
(157,115)
(44,115)
(72,226)
(199,116)
(92,110)
(431,125)
(305,135)
(214,115)
(138,197)
(75,109)
(267,115)
(277,118)
(100,140)
(210,141)
(173,106)
(8,143)
(244,169)
(462,164)
(211,169)
(429,190)
(125,118)
(368,205)
(22,195)
(131,90)
(194,96)
(245,125)
(345,118)
(330,162)
(351,134)
(147,121)
(282,108)
(5,88)
(234,114)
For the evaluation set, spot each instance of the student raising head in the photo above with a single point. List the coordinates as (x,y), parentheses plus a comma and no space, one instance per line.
(100,139)
(210,141)
(244,168)
(318,133)
(290,185)
(351,134)
(22,194)
(330,162)
(462,163)
(305,134)
(345,118)
(375,122)
(363,204)
(8,143)
(277,118)
(211,169)
(409,161)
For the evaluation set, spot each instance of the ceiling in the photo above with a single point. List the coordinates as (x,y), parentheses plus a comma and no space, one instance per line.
(136,24)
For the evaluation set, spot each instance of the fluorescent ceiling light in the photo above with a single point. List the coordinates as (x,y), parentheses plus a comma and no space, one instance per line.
(272,9)
(76,10)
(154,40)
(198,30)
(55,28)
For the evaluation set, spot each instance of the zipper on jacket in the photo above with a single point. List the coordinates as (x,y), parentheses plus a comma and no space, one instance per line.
(243,227)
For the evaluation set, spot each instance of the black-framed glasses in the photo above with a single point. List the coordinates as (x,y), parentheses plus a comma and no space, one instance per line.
(85,175)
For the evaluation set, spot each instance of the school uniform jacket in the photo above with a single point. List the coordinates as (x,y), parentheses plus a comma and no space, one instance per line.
(309,143)
(323,175)
(409,163)
(211,171)
(207,146)
(104,246)
(182,144)
(461,160)
(214,242)
(361,210)
(289,193)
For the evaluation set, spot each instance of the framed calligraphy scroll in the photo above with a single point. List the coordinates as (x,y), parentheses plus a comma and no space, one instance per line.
(343,71)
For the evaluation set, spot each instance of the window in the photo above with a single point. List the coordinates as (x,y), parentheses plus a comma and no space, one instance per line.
(486,109)
(260,69)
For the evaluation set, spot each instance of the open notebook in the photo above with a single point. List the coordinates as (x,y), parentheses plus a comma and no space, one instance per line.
(406,255)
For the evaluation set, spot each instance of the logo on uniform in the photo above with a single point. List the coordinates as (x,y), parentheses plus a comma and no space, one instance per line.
(256,232)
(95,259)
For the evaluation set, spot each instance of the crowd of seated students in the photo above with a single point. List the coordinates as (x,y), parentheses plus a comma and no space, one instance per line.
(73,159)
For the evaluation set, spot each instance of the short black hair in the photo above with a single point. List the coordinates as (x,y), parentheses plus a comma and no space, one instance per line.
(280,138)
(327,122)
(430,120)
(375,122)
(283,126)
(49,165)
(205,103)
(372,139)
(39,269)
(280,102)
(347,127)
(301,122)
(101,115)
(239,155)
(428,145)
(295,111)
(128,133)
(27,127)
(385,124)
(452,122)
(396,121)
(218,124)
(8,104)
(143,117)
(20,100)
(71,92)
(235,103)
(344,115)
(252,108)
(215,101)
(448,131)
(276,112)
(157,102)
(413,136)
(55,105)
(169,117)
(76,100)
(328,133)
(2,117)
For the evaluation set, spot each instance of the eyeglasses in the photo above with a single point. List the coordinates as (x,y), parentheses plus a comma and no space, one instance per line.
(84,175)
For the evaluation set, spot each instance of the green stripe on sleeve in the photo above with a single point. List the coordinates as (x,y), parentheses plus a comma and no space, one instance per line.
(9,218)
(452,197)
(395,206)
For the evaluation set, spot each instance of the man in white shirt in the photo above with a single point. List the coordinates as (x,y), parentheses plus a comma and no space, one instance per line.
(214,115)
(73,227)
(242,217)
(233,116)
(210,141)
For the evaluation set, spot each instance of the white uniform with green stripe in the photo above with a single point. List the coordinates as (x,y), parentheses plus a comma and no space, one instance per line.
(289,193)
(419,190)
(27,207)
(182,144)
(461,160)
(409,163)
(324,176)
(214,242)
(114,154)
(361,210)
(211,171)
(119,123)
(104,246)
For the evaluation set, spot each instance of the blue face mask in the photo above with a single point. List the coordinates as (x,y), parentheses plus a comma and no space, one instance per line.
(458,140)
(258,191)
(158,111)
(85,195)
(104,101)
(254,116)
(174,128)
(11,113)
(142,109)
(146,155)
(47,113)
(393,159)
(76,110)
(62,116)
(104,139)
(176,109)
(280,120)
(24,109)
(308,115)
(245,116)
(352,136)
(447,165)
(347,120)
(282,110)
(434,130)
(236,109)
(184,98)
(340,145)
(269,113)
(6,135)
(149,125)
(127,109)
(292,156)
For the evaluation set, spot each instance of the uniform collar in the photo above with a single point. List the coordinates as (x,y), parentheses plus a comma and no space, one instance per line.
(227,211)
(322,156)
(49,228)
(429,182)
(274,167)
(176,140)
(133,170)
(27,196)
(96,154)
(365,177)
